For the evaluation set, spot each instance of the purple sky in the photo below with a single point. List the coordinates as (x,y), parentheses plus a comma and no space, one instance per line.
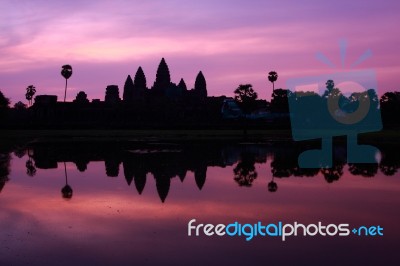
(232,42)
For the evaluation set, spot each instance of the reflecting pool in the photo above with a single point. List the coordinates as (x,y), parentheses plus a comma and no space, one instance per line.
(130,204)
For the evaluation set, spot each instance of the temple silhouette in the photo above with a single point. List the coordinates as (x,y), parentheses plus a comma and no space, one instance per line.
(169,105)
(164,104)
(136,90)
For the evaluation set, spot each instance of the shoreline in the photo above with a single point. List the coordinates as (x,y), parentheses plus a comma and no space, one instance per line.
(170,135)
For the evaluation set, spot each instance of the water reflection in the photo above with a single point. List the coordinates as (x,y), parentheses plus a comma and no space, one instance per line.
(66,191)
(165,161)
(4,169)
(120,220)
(30,166)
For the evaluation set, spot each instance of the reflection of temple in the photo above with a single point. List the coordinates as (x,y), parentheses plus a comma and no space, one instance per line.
(166,161)
(139,160)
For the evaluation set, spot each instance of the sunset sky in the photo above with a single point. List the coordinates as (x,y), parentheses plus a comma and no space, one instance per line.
(232,42)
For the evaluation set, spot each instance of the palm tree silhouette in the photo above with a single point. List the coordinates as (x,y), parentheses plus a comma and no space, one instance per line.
(66,72)
(66,191)
(272,77)
(30,91)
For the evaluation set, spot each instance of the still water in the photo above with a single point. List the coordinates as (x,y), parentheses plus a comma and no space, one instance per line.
(130,204)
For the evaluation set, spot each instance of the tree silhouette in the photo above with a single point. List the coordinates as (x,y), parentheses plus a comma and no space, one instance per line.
(390,108)
(279,101)
(4,102)
(363,169)
(331,91)
(28,98)
(332,174)
(66,72)
(272,77)
(246,98)
(30,92)
(245,171)
(19,106)
(390,161)
(330,84)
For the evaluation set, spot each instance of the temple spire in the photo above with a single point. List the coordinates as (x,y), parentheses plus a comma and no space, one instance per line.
(182,86)
(139,85)
(128,89)
(163,78)
(200,86)
(140,79)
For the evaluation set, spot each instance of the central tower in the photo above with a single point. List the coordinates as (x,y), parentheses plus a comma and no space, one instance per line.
(163,78)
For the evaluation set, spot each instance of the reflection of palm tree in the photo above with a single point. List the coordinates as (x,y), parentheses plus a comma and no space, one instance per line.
(66,72)
(272,77)
(30,166)
(66,190)
(272,186)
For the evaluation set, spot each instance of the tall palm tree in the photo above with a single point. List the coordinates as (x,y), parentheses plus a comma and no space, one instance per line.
(272,77)
(30,91)
(66,72)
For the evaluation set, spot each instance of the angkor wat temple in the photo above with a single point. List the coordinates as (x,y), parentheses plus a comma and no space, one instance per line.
(164,105)
(136,90)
